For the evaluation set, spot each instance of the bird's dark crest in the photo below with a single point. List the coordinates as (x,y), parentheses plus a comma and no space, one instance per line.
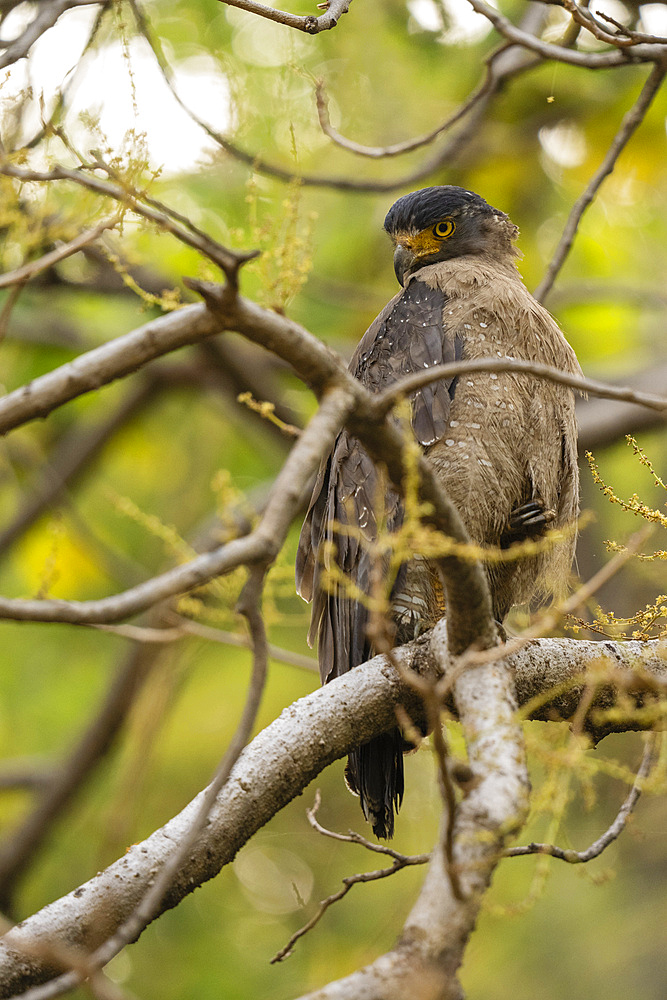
(420,209)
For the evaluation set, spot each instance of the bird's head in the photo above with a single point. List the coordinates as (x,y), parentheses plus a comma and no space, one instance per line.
(438,223)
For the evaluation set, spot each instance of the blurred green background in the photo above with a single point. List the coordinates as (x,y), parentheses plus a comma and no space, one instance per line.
(392,71)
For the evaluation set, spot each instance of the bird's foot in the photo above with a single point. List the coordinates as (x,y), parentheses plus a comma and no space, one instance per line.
(530,520)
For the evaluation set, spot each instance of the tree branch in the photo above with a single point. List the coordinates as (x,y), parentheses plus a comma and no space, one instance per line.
(308,23)
(46,16)
(630,123)
(397,149)
(283,759)
(502,64)
(105,364)
(590,60)
(33,267)
(228,261)
(613,831)
(261,545)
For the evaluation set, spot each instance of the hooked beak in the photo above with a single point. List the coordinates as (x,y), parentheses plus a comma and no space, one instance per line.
(404,259)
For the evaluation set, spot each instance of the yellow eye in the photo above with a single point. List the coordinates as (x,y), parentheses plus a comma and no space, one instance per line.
(442,230)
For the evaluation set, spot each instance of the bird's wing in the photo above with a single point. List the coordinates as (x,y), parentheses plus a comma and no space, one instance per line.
(409,335)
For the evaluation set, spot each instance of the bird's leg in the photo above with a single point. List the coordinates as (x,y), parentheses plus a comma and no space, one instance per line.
(529,520)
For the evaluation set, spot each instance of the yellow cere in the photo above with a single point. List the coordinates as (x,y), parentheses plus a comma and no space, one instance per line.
(428,241)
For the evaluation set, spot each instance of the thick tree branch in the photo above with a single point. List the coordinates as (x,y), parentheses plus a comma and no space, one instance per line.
(105,364)
(283,759)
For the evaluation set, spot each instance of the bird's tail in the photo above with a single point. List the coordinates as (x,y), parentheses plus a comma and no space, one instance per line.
(374,772)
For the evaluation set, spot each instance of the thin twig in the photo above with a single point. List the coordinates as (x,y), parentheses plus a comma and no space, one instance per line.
(46,16)
(228,261)
(309,23)
(590,60)
(385,400)
(612,833)
(143,633)
(502,64)
(399,861)
(587,20)
(630,123)
(397,149)
(638,36)
(33,267)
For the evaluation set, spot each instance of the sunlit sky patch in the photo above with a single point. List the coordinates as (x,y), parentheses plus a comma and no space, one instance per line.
(564,143)
(454,20)
(654,18)
(101,85)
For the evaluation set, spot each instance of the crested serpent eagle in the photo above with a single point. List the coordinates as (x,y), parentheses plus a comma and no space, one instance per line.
(503,446)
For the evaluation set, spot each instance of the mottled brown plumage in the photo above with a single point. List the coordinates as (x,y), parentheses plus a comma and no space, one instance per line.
(503,445)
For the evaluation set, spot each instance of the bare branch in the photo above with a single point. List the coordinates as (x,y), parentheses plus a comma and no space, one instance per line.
(590,60)
(163,636)
(151,904)
(308,23)
(637,36)
(232,639)
(503,64)
(105,364)
(285,757)
(352,837)
(33,267)
(410,383)
(613,832)
(46,16)
(316,366)
(400,861)
(382,152)
(630,123)
(261,545)
(588,20)
(227,260)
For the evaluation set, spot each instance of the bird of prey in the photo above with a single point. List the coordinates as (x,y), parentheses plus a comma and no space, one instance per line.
(503,447)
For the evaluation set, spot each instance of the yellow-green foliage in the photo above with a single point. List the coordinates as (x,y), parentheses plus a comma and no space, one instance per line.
(651,621)
(285,240)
